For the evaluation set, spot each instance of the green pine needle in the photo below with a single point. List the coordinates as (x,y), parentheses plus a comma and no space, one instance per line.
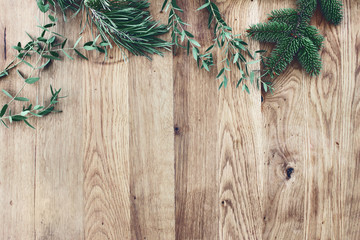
(295,37)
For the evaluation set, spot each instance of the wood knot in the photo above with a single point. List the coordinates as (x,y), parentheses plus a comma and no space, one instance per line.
(289,171)
(176,130)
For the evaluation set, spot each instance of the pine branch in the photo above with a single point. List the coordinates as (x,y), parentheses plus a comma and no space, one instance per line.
(269,32)
(286,15)
(313,34)
(282,55)
(332,10)
(309,57)
(292,27)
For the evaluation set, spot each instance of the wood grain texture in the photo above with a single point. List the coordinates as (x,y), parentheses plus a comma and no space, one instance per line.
(106,149)
(151,153)
(239,146)
(195,126)
(151,150)
(18,152)
(284,126)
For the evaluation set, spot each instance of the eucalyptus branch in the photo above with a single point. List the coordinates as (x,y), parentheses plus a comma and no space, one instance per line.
(46,46)
(179,35)
(234,51)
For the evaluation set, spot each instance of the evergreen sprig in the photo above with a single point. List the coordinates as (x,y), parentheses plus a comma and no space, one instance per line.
(295,37)
(126,23)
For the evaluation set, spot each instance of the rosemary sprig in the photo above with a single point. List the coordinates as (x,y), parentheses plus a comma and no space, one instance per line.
(128,25)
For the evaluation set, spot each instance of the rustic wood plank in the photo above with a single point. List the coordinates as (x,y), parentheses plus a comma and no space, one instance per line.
(348,146)
(284,126)
(240,143)
(106,148)
(18,150)
(331,105)
(151,149)
(59,148)
(152,182)
(195,104)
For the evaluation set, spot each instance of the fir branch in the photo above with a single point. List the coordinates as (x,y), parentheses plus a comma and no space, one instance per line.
(309,57)
(295,36)
(282,55)
(286,15)
(332,10)
(313,34)
(270,32)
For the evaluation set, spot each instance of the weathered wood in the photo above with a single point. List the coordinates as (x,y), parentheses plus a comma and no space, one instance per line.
(195,122)
(152,183)
(240,153)
(284,125)
(106,148)
(152,150)
(58,162)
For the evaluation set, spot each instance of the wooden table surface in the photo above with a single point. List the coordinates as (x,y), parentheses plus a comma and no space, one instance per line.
(153,150)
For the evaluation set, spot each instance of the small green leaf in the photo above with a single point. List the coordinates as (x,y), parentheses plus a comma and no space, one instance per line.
(221,84)
(203,6)
(189,34)
(49,25)
(19,73)
(77,42)
(17,48)
(18,118)
(183,36)
(63,43)
(80,54)
(265,87)
(104,44)
(27,123)
(52,18)
(236,57)
(220,73)
(44,65)
(21,99)
(4,123)
(32,80)
(24,113)
(89,48)
(238,83)
(252,75)
(225,81)
(43,7)
(3,110)
(51,57)
(194,42)
(195,53)
(38,107)
(245,87)
(66,54)
(51,40)
(6,93)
